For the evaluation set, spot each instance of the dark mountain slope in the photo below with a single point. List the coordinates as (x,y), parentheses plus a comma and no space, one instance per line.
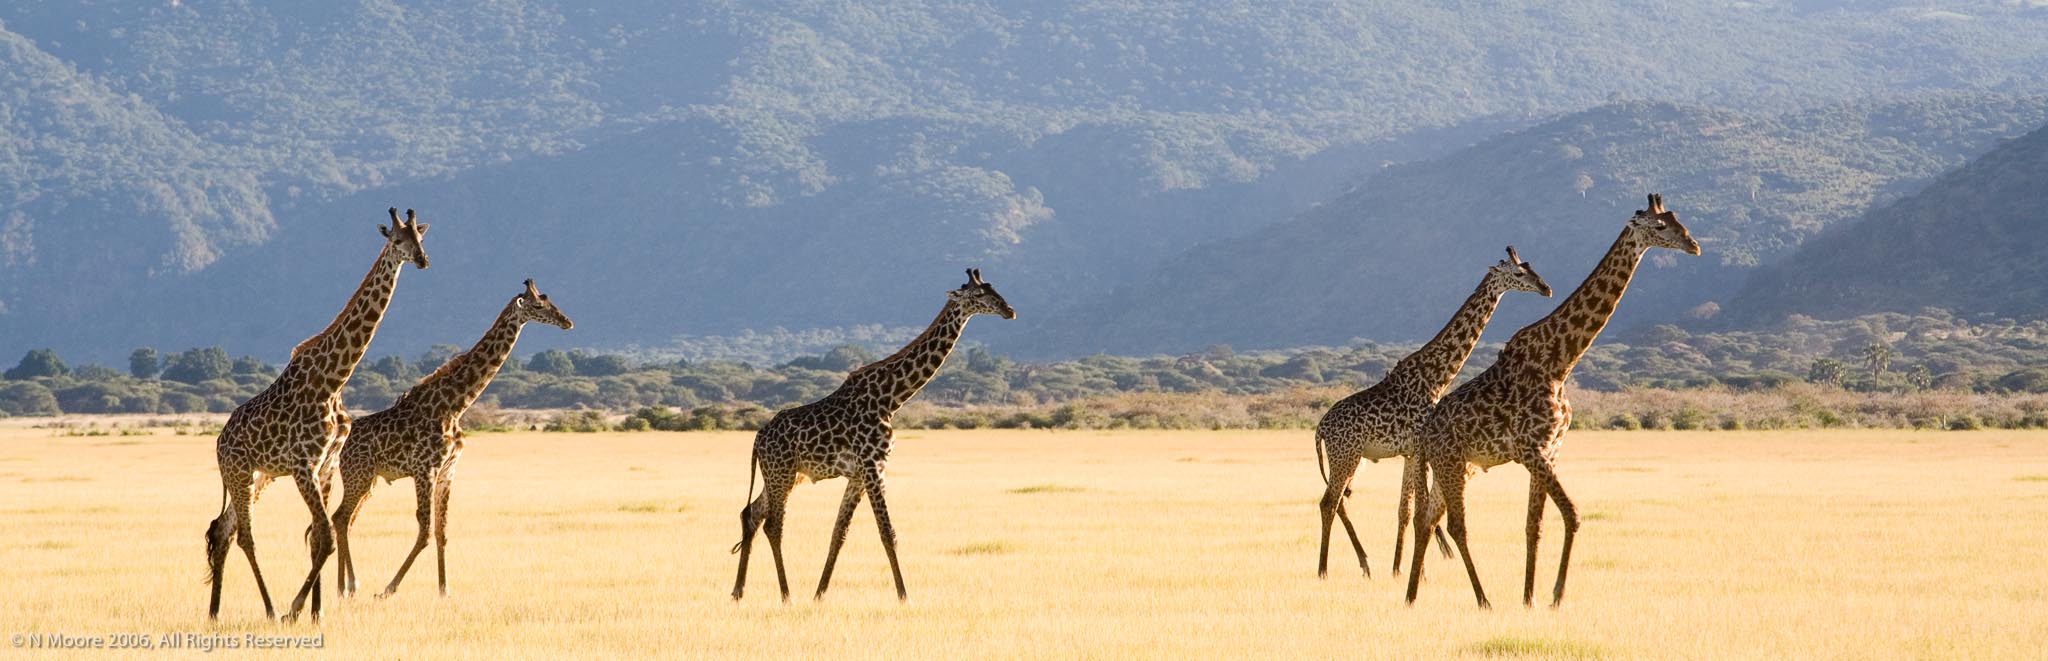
(1391,258)
(1974,242)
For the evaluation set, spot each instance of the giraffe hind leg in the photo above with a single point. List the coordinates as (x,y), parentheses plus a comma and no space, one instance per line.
(245,537)
(320,537)
(764,513)
(1450,481)
(422,487)
(1342,465)
(355,489)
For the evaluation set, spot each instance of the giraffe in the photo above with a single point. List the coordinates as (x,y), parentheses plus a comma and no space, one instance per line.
(1517,411)
(420,437)
(1379,422)
(847,434)
(297,425)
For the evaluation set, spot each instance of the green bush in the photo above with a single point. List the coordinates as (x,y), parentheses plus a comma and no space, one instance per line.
(577,421)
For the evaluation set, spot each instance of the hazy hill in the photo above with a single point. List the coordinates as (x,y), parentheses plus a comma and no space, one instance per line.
(1392,258)
(1970,242)
(785,162)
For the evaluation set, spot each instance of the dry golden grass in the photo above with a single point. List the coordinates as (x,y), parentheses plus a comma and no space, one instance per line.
(1705,544)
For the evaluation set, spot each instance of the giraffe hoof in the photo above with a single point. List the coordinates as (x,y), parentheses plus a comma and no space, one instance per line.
(386,594)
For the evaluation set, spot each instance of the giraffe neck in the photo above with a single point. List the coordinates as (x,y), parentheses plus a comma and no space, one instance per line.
(1554,344)
(453,387)
(887,383)
(1430,370)
(331,356)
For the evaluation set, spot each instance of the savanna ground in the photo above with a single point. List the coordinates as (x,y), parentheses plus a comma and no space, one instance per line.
(1837,544)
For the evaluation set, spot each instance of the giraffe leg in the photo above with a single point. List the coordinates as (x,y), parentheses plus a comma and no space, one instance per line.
(1540,470)
(881,509)
(777,504)
(750,521)
(764,513)
(1411,484)
(1450,484)
(1429,511)
(355,488)
(233,526)
(320,536)
(1342,465)
(422,489)
(1535,531)
(441,490)
(1443,543)
(1352,532)
(846,505)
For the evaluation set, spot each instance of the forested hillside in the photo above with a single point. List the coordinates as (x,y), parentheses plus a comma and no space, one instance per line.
(1393,258)
(200,172)
(1971,242)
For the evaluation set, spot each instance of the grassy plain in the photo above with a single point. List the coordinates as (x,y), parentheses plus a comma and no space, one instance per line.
(1835,544)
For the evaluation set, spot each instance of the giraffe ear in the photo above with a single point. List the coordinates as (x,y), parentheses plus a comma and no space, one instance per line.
(386,231)
(421,228)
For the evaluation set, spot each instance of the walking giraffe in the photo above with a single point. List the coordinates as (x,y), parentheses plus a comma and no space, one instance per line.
(420,437)
(1379,422)
(1517,411)
(847,434)
(297,425)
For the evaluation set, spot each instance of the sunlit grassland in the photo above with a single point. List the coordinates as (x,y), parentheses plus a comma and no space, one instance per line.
(1101,544)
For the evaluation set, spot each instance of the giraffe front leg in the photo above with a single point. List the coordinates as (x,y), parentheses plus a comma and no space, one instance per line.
(881,509)
(423,513)
(442,489)
(1429,511)
(1535,532)
(1450,485)
(319,536)
(846,506)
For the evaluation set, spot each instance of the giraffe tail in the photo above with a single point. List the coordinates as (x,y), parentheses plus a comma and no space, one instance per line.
(219,533)
(1322,459)
(753,463)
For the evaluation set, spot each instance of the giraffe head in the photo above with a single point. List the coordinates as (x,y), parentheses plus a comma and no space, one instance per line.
(535,306)
(404,237)
(977,297)
(1658,228)
(1514,274)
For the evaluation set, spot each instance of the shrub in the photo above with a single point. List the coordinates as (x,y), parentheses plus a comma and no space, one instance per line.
(578,421)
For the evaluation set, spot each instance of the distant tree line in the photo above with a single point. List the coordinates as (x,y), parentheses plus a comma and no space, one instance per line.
(1879,354)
